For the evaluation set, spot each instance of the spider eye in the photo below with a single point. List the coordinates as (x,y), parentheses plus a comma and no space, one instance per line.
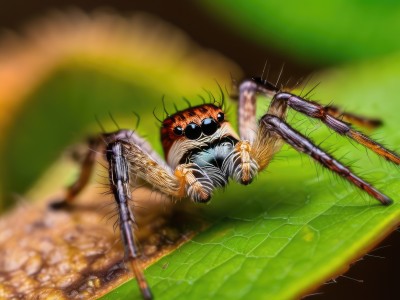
(192,131)
(220,117)
(209,126)
(178,130)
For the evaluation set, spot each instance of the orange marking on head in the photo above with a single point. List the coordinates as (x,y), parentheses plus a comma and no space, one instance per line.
(182,118)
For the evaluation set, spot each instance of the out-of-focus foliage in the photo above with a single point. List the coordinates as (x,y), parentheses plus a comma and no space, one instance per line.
(70,68)
(316,31)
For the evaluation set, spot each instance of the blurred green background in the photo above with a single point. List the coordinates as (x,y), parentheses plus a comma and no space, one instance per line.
(88,58)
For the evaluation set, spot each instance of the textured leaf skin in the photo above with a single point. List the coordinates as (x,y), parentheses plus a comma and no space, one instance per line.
(314,31)
(296,226)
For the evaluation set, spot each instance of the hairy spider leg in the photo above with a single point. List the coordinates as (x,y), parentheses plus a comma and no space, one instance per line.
(120,187)
(247,109)
(130,157)
(268,138)
(361,121)
(246,112)
(317,111)
(84,176)
(302,144)
(263,144)
(97,145)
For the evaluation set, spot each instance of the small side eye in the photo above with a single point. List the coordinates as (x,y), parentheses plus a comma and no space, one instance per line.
(178,130)
(220,117)
(192,131)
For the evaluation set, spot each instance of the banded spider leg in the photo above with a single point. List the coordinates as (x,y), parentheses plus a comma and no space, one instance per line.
(273,128)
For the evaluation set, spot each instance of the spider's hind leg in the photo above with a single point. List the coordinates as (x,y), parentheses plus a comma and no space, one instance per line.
(96,145)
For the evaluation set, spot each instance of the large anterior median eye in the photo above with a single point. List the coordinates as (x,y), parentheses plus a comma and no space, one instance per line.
(192,131)
(209,126)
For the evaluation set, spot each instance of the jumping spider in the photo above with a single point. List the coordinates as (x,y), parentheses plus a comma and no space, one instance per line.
(203,151)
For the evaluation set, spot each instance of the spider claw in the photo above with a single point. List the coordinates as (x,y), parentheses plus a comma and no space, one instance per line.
(386,201)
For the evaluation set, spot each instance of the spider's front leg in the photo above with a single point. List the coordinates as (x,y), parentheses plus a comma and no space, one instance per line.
(263,144)
(328,115)
(130,157)
(273,129)
(120,187)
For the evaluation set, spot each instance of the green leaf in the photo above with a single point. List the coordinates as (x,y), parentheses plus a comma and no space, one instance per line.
(296,226)
(315,31)
(280,237)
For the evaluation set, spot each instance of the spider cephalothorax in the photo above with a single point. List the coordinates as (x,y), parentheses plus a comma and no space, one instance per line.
(194,126)
(204,145)
(203,152)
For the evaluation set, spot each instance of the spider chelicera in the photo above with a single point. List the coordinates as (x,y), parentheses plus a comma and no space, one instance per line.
(203,152)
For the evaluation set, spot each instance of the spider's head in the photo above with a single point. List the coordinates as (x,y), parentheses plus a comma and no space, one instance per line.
(191,124)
